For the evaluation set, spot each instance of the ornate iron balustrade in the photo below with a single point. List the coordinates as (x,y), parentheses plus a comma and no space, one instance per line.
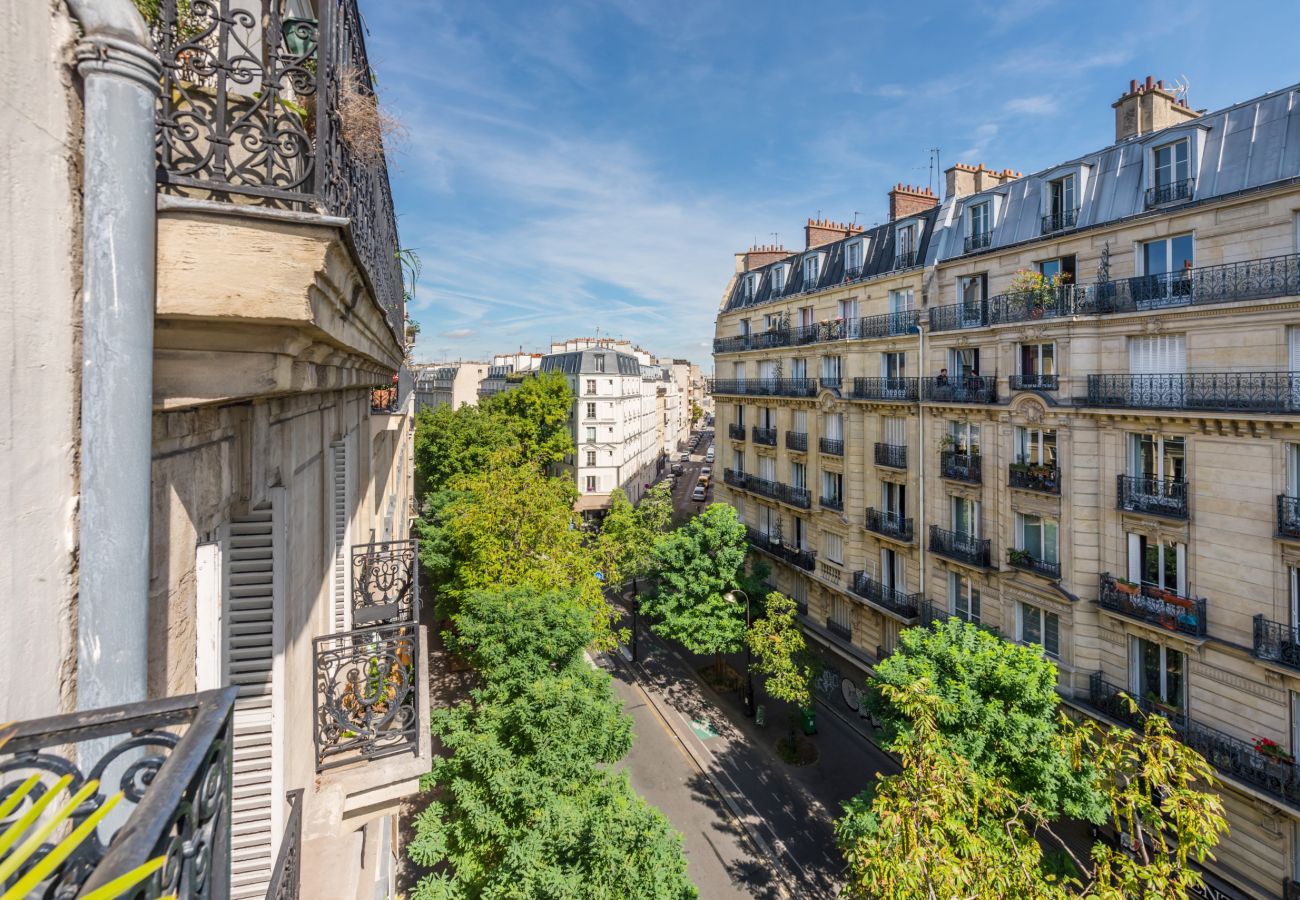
(831,384)
(886,324)
(835,503)
(906,606)
(1230,755)
(1154,496)
(1024,560)
(384,401)
(796,440)
(286,877)
(889,524)
(831,446)
(1060,220)
(1275,392)
(1044,479)
(961,547)
(736,432)
(1154,605)
(902,390)
(843,632)
(1033,382)
(1288,516)
(905,260)
(772,545)
(731,344)
(1002,309)
(774,490)
(819,332)
(852,273)
(1173,192)
(1257,279)
(280,111)
(966,467)
(1277,642)
(764,387)
(170,758)
(977,241)
(764,436)
(367,694)
(961,389)
(385,583)
(763,340)
(892,455)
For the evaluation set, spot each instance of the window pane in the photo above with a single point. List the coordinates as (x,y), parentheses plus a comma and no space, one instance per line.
(1155,257)
(1052,634)
(1048,359)
(1030,625)
(1181,247)
(1173,677)
(1049,541)
(1149,684)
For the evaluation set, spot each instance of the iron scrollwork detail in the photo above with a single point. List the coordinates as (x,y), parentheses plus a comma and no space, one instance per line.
(385,583)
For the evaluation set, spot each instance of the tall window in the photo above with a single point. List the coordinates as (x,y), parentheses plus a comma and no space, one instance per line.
(1038,626)
(965,437)
(800,535)
(893,498)
(1172,164)
(833,547)
(799,476)
(972,291)
(591,483)
(964,598)
(906,243)
(591,410)
(1157,673)
(1062,265)
(1062,198)
(831,369)
(591,385)
(841,612)
(963,362)
(1036,446)
(767,468)
(1167,255)
(895,430)
(591,435)
(1037,361)
(833,424)
(848,310)
(1038,536)
(979,221)
(766,417)
(1157,456)
(591,457)
(599,362)
(833,486)
(805,316)
(853,258)
(799,421)
(902,301)
(966,517)
(1159,563)
(778,279)
(799,368)
(811,268)
(893,365)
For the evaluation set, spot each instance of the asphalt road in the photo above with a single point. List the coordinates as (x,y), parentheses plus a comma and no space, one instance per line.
(683,506)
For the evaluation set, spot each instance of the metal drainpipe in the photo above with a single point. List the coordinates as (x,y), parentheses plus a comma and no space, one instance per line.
(923,536)
(120,73)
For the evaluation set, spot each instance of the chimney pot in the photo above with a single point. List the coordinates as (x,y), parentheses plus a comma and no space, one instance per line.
(1149,83)
(1132,85)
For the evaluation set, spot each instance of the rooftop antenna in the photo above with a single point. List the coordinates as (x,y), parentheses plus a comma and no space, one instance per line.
(855,217)
(934,165)
(776,242)
(1181,87)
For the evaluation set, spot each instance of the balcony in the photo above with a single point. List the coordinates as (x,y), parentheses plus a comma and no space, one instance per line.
(1232,756)
(829,572)
(1060,220)
(264,110)
(835,502)
(796,440)
(961,547)
(286,876)
(897,390)
(889,524)
(1288,517)
(960,389)
(773,490)
(764,436)
(1153,496)
(1265,392)
(1026,561)
(905,606)
(905,260)
(1153,605)
(736,432)
(843,632)
(1028,477)
(764,387)
(977,241)
(1173,192)
(893,456)
(1033,382)
(171,757)
(832,383)
(959,466)
(763,340)
(772,545)
(1002,309)
(886,325)
(819,332)
(831,446)
(1276,642)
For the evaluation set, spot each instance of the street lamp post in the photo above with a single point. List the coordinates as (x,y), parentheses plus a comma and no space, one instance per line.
(749,673)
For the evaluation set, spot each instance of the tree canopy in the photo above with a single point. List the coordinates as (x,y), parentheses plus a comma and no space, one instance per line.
(451,442)
(628,534)
(780,651)
(536,415)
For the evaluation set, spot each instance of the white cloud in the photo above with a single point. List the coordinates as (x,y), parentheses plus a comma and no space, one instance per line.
(1037,105)
(457,333)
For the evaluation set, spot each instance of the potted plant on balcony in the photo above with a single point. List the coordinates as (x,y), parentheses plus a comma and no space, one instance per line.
(947,442)
(1019,557)
(1126,587)
(1271,750)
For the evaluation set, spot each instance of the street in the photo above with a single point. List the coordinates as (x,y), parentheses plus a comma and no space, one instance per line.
(683,506)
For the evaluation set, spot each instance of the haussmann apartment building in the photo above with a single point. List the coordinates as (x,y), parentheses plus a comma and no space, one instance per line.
(1064,406)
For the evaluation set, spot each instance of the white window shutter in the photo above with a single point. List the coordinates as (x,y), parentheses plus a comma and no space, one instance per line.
(1135,558)
(254,645)
(340,589)
(1181,566)
(1293,346)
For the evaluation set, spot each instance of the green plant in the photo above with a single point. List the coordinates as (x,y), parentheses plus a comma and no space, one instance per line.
(1019,557)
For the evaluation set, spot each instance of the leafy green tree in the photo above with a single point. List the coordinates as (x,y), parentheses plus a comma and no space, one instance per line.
(696,566)
(455,442)
(537,415)
(999,711)
(780,651)
(629,533)
(696,414)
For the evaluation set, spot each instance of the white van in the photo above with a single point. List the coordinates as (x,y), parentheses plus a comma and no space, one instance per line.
(708,457)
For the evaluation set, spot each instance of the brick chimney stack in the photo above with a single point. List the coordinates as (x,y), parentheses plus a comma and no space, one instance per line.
(906,200)
(758,256)
(823,231)
(1148,107)
(962,180)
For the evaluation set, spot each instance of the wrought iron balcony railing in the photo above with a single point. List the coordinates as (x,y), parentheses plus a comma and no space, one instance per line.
(1288,516)
(1232,756)
(1026,561)
(819,332)
(272,110)
(835,502)
(1027,477)
(763,340)
(385,583)
(1267,392)
(774,490)
(1155,605)
(977,241)
(886,324)
(889,524)
(892,455)
(286,877)
(796,440)
(931,612)
(1060,220)
(902,390)
(1173,192)
(831,446)
(1019,306)
(843,632)
(764,387)
(962,547)
(960,389)
(1154,496)
(1033,382)
(171,758)
(764,436)
(1277,642)
(384,400)
(966,467)
(906,606)
(772,545)
(905,260)
(853,273)
(367,694)
(736,432)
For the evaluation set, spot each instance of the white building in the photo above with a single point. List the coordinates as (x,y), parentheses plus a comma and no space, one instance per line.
(454,385)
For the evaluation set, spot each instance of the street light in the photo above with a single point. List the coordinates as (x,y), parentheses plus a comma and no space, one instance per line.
(730,597)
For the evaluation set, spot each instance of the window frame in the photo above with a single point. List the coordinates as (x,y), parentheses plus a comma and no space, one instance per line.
(1028,612)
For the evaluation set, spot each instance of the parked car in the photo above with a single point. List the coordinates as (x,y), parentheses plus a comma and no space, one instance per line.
(677,468)
(686,457)
(706,471)
(708,457)
(699,492)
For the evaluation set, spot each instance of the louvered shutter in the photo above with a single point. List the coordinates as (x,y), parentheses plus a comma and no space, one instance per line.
(253,645)
(340,590)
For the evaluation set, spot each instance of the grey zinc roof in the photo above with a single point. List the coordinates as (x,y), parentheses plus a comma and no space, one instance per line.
(582,362)
(1245,146)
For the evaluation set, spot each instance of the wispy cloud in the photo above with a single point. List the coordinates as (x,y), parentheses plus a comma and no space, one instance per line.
(1038,105)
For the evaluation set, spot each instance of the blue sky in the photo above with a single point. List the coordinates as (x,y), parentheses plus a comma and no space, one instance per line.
(585,165)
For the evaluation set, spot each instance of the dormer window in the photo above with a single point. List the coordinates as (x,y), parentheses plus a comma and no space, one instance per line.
(598,360)
(980,219)
(778,279)
(905,239)
(811,270)
(853,259)
(1171,173)
(1062,204)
